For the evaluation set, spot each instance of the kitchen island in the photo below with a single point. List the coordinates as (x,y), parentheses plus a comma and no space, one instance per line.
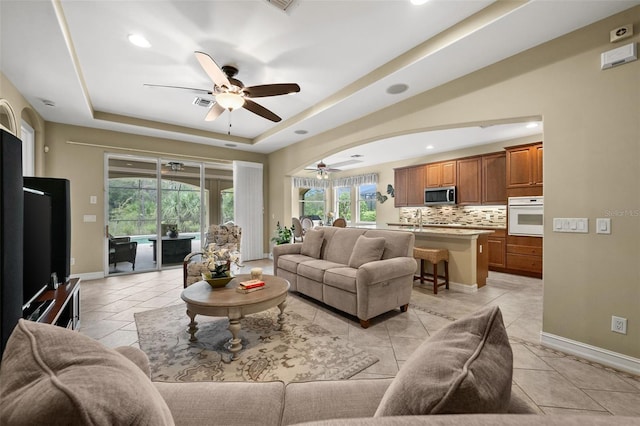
(468,252)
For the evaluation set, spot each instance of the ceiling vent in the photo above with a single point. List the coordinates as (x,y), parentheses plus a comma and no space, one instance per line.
(203,102)
(284,5)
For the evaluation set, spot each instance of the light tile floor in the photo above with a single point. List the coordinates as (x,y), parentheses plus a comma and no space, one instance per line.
(552,382)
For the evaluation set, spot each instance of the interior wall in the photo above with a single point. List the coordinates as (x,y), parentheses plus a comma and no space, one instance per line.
(83,165)
(591,157)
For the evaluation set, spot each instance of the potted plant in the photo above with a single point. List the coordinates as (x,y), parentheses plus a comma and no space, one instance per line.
(218,261)
(283,234)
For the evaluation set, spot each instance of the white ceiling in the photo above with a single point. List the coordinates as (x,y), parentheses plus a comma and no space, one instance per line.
(343,54)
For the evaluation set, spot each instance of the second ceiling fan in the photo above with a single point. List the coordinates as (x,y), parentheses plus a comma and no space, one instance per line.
(231,93)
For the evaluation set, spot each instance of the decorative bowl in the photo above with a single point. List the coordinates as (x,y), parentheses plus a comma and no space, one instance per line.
(218,282)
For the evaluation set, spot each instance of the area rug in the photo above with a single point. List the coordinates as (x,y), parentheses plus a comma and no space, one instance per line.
(301,351)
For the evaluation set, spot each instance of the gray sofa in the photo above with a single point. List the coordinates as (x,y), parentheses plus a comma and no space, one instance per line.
(362,272)
(54,376)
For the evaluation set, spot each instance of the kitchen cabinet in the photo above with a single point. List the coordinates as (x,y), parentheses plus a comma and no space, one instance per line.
(524,166)
(400,187)
(440,174)
(524,255)
(469,180)
(496,243)
(494,178)
(409,186)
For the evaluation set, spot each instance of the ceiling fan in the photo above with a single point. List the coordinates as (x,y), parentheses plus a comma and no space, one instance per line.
(322,170)
(231,93)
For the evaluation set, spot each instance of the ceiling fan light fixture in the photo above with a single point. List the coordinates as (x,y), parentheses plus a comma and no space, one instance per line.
(139,40)
(229,100)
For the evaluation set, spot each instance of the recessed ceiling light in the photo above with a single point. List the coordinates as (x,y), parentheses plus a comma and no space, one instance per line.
(357,156)
(429,146)
(531,125)
(48,103)
(397,88)
(418,2)
(301,132)
(230,145)
(139,40)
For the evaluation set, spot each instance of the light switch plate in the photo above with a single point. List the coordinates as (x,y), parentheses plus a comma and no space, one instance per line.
(579,225)
(603,225)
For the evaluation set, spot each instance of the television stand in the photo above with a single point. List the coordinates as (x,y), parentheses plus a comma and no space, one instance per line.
(65,305)
(37,310)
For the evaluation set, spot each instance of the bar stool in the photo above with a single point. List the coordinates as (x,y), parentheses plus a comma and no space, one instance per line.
(433,256)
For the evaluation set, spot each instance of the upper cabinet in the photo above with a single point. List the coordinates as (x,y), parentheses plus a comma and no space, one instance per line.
(494,178)
(524,166)
(440,174)
(482,179)
(409,186)
(469,180)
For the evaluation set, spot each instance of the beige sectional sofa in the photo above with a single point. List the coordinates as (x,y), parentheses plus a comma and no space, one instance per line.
(54,376)
(362,272)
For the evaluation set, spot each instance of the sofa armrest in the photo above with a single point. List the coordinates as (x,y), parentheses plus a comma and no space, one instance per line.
(385,270)
(332,399)
(282,249)
(224,403)
(136,356)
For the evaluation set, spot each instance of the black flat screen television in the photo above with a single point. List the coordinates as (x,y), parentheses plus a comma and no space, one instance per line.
(36,270)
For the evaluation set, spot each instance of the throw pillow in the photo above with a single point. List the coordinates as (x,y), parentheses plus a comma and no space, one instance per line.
(53,375)
(465,367)
(366,250)
(312,243)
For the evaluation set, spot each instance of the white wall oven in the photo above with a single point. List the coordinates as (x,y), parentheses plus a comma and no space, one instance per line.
(526,216)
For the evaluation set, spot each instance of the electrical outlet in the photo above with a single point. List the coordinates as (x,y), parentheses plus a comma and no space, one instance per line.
(72,261)
(619,325)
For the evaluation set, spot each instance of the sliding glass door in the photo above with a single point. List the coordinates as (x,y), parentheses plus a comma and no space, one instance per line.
(159,210)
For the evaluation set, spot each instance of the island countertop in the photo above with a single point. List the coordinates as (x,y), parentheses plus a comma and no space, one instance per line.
(432,231)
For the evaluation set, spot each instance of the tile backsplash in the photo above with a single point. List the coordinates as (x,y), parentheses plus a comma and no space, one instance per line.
(457,215)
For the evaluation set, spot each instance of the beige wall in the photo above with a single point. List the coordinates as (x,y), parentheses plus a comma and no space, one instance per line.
(591,158)
(83,165)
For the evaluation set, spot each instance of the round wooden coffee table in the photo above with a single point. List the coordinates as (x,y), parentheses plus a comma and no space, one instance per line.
(201,299)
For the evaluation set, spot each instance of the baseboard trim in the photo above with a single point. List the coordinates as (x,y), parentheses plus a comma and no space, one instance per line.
(89,276)
(464,288)
(593,353)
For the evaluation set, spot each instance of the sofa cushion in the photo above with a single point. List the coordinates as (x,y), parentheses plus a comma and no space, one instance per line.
(53,374)
(397,243)
(312,243)
(314,269)
(339,246)
(342,278)
(366,250)
(465,367)
(290,262)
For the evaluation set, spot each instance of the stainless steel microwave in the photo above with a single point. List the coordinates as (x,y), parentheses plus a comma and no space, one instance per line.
(444,195)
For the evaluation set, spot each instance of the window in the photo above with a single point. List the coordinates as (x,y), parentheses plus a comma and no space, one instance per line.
(226,205)
(312,202)
(367,203)
(343,202)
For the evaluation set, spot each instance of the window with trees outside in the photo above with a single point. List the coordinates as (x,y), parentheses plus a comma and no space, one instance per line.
(343,202)
(226,205)
(312,202)
(133,205)
(367,203)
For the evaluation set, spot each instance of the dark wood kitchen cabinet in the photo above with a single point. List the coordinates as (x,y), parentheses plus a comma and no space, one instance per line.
(469,180)
(524,166)
(496,243)
(409,186)
(440,174)
(494,178)
(524,255)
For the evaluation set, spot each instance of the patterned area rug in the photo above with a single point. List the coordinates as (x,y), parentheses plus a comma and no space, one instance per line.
(301,351)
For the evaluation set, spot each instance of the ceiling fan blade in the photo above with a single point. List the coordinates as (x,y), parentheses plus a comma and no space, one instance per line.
(212,69)
(197,91)
(214,112)
(260,110)
(263,90)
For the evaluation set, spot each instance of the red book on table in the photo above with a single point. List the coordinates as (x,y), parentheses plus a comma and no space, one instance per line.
(252,284)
